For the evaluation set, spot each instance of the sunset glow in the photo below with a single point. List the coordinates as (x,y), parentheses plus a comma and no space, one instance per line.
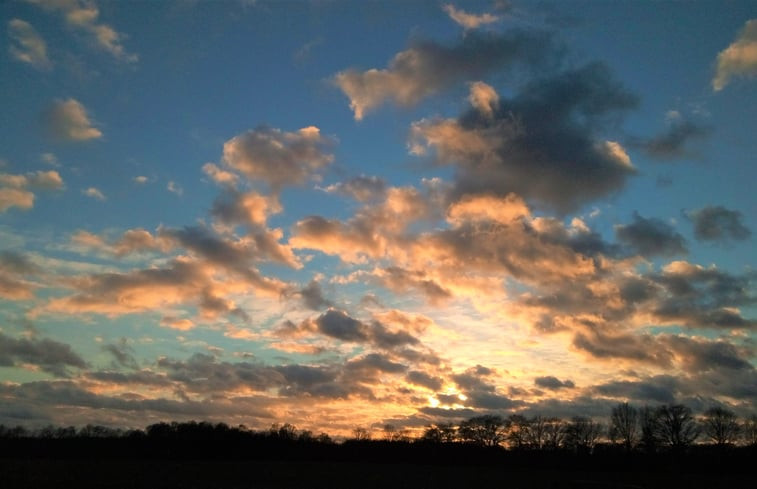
(342,214)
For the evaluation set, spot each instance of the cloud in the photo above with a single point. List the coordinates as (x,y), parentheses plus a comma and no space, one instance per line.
(427,68)
(68,120)
(276,157)
(469,21)
(362,188)
(82,16)
(141,179)
(14,188)
(543,144)
(49,355)
(739,59)
(483,98)
(122,353)
(175,188)
(553,383)
(672,143)
(337,324)
(312,296)
(13,197)
(94,193)
(698,297)
(220,176)
(425,380)
(15,272)
(716,223)
(650,237)
(27,45)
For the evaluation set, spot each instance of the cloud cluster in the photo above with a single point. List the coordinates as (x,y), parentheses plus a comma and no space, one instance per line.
(16,189)
(49,356)
(544,144)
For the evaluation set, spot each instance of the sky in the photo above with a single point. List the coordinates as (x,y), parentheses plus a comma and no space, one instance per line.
(340,214)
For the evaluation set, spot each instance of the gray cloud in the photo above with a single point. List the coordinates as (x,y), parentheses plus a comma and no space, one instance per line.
(49,355)
(651,236)
(672,143)
(424,380)
(660,388)
(544,144)
(553,383)
(312,296)
(716,223)
(428,67)
(27,45)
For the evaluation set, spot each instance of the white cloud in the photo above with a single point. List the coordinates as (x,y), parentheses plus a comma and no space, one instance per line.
(68,120)
(27,45)
(469,21)
(738,59)
(94,193)
(175,188)
(140,179)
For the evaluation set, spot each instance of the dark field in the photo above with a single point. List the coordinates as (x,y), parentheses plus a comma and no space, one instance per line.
(156,474)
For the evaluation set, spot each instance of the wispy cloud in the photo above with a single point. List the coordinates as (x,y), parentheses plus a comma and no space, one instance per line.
(468,20)
(27,45)
(94,193)
(83,16)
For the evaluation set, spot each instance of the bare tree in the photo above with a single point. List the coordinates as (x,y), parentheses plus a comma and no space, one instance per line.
(517,433)
(649,428)
(554,433)
(538,432)
(439,433)
(624,425)
(488,430)
(749,430)
(720,426)
(676,426)
(582,434)
(361,434)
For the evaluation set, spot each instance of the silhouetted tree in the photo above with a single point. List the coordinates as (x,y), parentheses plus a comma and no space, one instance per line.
(749,430)
(361,434)
(537,434)
(720,426)
(554,433)
(488,430)
(517,433)
(624,425)
(582,434)
(677,428)
(649,426)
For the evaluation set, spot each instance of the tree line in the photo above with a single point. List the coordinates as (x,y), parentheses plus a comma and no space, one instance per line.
(647,429)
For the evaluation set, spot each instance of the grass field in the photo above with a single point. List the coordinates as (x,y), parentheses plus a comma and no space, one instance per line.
(154,474)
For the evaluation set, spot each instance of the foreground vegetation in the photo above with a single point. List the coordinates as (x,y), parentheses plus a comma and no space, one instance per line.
(660,447)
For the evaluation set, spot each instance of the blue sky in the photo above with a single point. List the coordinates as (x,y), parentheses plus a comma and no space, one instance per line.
(322,212)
